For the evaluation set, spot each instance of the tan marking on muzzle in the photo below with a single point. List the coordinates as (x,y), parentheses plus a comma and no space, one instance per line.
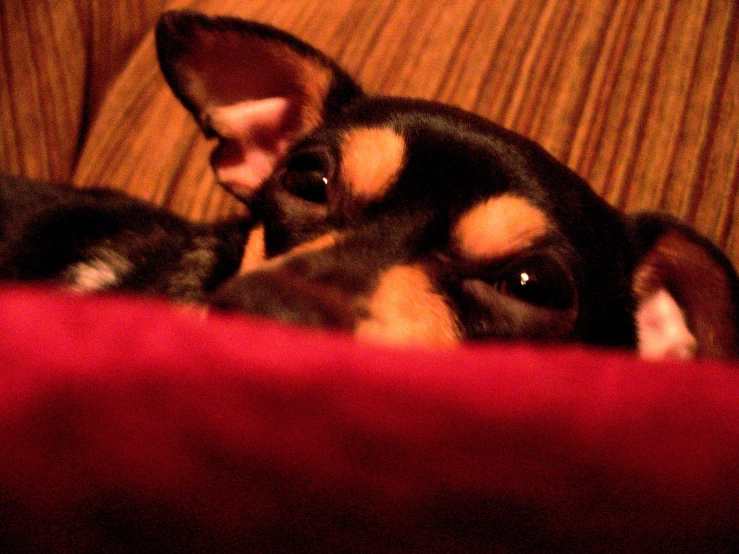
(498,227)
(254,252)
(371,160)
(319,243)
(255,257)
(406,309)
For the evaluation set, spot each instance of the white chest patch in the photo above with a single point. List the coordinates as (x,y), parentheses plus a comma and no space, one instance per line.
(102,271)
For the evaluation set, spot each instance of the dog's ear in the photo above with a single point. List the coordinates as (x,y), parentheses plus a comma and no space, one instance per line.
(686,292)
(255,88)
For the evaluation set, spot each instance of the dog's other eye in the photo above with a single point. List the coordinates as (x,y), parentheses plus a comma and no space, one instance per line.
(307,177)
(538,281)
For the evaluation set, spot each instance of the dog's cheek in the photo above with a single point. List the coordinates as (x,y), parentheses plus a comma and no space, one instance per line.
(406,309)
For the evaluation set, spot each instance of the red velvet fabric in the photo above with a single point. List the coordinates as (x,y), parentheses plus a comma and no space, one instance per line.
(132,425)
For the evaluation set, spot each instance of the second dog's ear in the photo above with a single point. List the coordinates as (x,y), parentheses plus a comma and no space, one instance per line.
(255,88)
(686,293)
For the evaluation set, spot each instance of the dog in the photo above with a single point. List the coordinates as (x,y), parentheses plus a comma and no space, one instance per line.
(397,220)
(101,240)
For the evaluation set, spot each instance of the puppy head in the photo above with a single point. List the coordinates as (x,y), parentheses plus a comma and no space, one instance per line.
(407,221)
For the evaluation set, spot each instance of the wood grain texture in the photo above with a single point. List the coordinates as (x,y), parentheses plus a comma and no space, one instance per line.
(42,88)
(639,97)
(58,58)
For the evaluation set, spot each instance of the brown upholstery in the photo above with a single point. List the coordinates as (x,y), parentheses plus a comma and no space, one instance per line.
(641,98)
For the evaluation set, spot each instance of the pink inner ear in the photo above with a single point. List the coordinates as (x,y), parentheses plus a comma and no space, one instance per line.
(253,135)
(661,328)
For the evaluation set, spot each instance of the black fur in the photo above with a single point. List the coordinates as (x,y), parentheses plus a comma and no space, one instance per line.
(46,231)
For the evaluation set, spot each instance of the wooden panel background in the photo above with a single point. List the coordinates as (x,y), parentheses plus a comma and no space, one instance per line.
(641,98)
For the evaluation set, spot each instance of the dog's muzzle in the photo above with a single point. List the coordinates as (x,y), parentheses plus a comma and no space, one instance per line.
(399,305)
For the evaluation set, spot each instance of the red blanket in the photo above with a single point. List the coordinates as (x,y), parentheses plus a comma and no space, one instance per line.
(131,425)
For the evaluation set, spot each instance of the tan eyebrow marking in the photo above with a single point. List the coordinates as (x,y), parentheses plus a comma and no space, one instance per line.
(498,227)
(372,158)
(405,309)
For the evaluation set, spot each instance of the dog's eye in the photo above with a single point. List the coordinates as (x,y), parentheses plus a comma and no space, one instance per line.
(538,281)
(307,177)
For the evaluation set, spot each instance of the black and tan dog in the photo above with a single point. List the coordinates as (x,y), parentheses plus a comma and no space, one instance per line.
(398,220)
